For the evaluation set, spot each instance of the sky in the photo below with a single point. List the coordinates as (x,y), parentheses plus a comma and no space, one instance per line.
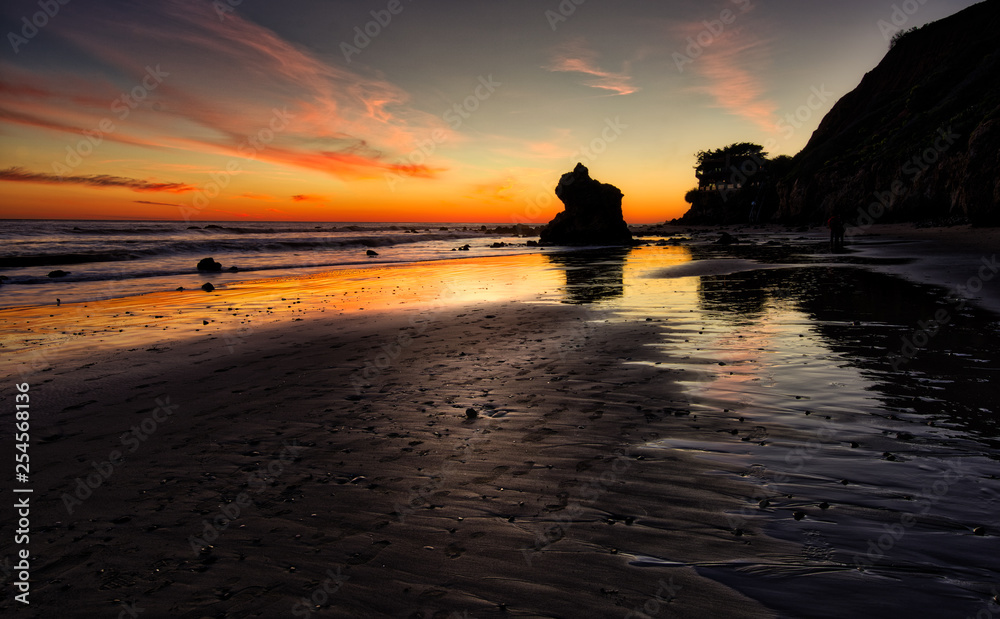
(408,110)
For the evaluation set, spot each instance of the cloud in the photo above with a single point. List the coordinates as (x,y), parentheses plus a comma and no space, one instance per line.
(731,69)
(218,85)
(307,198)
(94,180)
(575,58)
(155,203)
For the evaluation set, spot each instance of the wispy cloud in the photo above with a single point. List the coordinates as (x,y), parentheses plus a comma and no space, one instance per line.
(574,57)
(731,67)
(94,180)
(300,197)
(156,203)
(223,81)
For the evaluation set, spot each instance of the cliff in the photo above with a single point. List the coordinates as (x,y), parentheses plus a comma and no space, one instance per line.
(919,138)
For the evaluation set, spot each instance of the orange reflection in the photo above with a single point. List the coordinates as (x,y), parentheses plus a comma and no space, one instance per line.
(234,310)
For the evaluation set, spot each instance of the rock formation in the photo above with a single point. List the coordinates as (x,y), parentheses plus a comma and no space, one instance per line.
(593,213)
(209,265)
(919,138)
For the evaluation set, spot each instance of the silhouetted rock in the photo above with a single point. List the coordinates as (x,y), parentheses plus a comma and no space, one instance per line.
(371,253)
(593,213)
(233,269)
(209,265)
(726,239)
(58,273)
(207,287)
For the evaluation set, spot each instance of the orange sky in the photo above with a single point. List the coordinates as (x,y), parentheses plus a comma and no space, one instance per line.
(179,111)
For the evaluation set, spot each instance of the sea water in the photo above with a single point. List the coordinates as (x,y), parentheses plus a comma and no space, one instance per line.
(109,259)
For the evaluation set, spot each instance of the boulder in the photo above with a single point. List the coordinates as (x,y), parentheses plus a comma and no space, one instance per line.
(210,265)
(207,287)
(726,239)
(593,213)
(58,273)
(371,253)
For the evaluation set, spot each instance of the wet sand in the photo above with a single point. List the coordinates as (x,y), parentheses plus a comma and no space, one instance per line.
(528,436)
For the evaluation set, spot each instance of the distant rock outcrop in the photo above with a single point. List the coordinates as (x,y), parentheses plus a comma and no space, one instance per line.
(593,213)
(919,138)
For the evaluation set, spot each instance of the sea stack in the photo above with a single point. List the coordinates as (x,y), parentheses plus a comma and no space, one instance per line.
(593,213)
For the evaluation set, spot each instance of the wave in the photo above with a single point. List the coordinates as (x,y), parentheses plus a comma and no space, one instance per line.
(217,246)
(217,229)
(242,273)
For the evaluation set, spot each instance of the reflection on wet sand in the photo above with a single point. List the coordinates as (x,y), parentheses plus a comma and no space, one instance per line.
(592,276)
(871,320)
(865,433)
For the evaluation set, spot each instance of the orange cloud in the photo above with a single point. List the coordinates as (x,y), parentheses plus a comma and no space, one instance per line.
(94,180)
(223,85)
(575,58)
(730,65)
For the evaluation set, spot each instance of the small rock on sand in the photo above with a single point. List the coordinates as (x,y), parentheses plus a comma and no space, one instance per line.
(207,287)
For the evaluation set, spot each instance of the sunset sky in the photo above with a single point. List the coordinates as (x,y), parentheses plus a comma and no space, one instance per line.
(442,111)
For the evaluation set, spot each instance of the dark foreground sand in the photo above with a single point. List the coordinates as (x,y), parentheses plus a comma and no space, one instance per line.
(476,458)
(261,478)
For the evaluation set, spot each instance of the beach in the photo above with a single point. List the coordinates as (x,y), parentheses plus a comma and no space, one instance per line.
(674,430)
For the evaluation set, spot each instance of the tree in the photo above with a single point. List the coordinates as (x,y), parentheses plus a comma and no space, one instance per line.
(729,165)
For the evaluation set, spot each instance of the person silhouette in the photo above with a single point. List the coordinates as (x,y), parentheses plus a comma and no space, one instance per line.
(836,226)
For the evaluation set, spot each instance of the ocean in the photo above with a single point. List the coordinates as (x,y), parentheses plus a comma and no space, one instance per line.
(109,259)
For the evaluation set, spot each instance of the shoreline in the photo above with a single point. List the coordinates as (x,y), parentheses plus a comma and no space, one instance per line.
(628,450)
